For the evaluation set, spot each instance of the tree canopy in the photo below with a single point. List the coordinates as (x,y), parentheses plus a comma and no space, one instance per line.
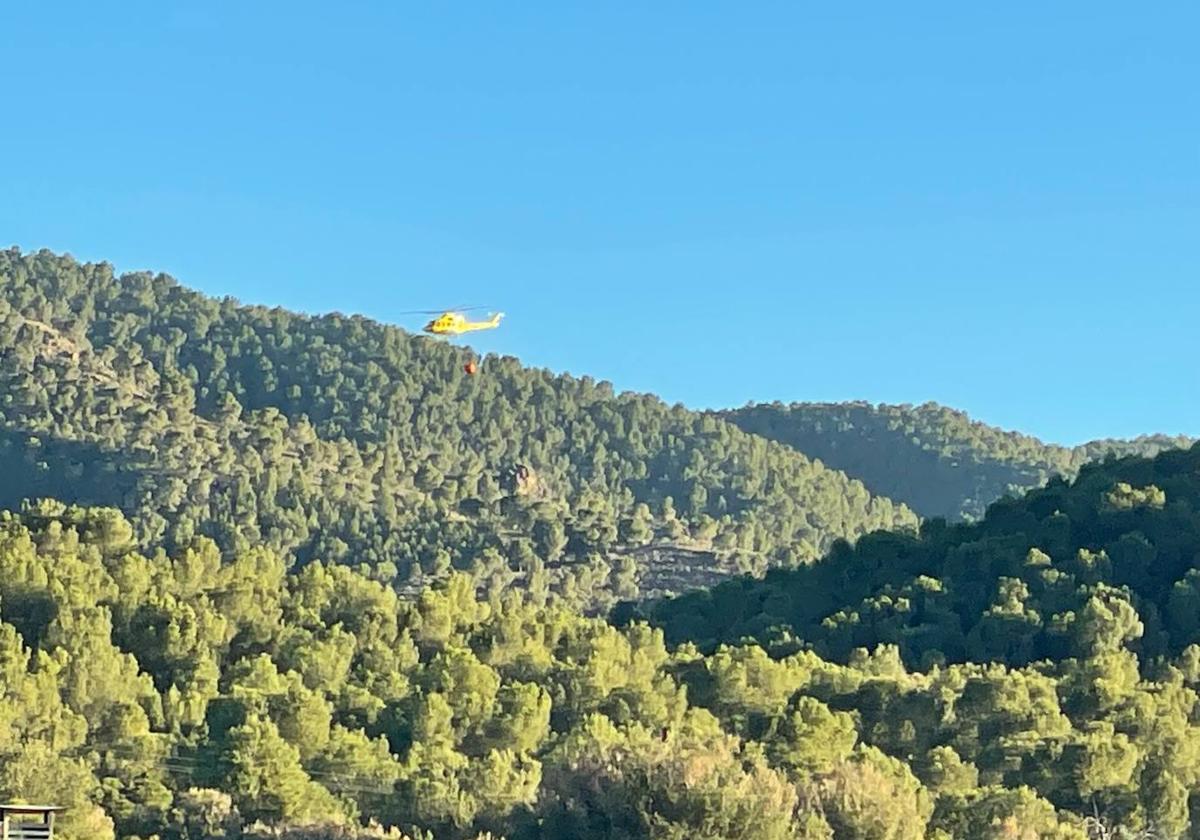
(180,695)
(265,575)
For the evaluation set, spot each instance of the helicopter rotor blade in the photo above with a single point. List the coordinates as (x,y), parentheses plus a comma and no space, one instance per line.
(440,311)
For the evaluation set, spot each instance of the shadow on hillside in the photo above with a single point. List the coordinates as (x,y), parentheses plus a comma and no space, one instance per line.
(1028,582)
(33,466)
(778,606)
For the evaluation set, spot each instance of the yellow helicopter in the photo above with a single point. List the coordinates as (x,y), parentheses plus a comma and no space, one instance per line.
(451,322)
(455,323)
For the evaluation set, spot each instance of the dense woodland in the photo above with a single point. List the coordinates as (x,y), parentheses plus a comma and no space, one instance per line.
(1092,586)
(934,459)
(341,439)
(271,576)
(188,695)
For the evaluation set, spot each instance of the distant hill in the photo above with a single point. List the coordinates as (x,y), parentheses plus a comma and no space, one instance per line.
(342,439)
(934,459)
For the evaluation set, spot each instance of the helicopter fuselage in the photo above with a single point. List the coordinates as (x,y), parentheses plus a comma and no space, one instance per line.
(453,323)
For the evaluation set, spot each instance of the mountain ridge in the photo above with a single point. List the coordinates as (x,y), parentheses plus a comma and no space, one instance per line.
(341,437)
(938,460)
(214,395)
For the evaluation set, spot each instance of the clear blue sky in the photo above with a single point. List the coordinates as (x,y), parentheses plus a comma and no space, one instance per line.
(996,208)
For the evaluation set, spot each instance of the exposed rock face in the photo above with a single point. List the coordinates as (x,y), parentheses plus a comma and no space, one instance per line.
(519,480)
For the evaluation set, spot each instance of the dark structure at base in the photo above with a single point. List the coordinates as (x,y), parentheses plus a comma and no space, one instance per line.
(27,822)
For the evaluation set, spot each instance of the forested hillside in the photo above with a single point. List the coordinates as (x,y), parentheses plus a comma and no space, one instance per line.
(340,439)
(1115,555)
(186,697)
(265,575)
(1091,590)
(934,459)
